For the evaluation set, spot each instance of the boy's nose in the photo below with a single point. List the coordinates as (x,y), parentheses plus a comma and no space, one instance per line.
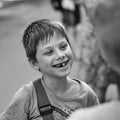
(60,55)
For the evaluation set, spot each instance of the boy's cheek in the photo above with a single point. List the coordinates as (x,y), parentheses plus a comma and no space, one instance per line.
(70,54)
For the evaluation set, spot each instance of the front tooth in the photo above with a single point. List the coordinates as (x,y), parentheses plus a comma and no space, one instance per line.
(58,65)
(63,64)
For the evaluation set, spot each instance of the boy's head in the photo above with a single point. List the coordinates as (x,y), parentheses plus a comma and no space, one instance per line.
(41,31)
(107,27)
(47,48)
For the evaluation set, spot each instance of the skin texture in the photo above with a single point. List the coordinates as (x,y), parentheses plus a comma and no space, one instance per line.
(55,52)
(52,53)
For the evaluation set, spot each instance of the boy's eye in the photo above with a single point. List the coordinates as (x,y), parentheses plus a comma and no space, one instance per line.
(63,46)
(49,52)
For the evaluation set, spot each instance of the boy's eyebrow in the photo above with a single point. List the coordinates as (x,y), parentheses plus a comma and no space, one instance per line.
(47,48)
(50,47)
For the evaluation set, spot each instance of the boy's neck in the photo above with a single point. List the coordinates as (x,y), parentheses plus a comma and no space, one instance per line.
(55,83)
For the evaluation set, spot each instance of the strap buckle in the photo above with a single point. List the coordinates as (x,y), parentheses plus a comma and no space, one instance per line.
(47,109)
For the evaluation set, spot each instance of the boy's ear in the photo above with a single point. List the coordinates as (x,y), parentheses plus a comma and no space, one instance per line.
(34,64)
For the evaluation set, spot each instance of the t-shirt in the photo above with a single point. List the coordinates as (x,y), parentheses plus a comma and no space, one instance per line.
(24,103)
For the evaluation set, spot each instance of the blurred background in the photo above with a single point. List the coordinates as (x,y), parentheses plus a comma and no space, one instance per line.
(15,70)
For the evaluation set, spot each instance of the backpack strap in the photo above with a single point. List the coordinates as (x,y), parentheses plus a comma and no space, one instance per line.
(44,105)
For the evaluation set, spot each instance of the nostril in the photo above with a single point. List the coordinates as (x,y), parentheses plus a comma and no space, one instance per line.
(60,56)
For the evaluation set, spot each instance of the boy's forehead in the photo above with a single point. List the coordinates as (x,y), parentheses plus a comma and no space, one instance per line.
(53,40)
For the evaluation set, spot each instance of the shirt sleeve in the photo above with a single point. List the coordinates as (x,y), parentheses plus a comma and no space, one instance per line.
(92,98)
(18,107)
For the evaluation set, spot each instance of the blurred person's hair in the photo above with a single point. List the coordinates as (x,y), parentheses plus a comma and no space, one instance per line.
(107,12)
(107,27)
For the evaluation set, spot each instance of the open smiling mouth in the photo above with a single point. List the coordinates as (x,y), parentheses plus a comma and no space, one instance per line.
(63,64)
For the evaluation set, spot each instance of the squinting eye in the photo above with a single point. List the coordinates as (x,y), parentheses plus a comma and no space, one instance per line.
(63,47)
(50,52)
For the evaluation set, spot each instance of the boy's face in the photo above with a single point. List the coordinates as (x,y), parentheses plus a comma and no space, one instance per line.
(54,58)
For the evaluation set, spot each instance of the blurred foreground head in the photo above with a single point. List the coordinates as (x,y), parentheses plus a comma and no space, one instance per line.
(107,24)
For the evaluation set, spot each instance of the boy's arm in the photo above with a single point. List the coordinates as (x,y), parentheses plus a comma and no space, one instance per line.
(18,107)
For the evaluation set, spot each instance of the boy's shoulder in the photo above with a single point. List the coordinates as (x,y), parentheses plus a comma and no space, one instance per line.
(26,89)
(84,86)
(81,82)
(75,79)
(30,86)
(86,90)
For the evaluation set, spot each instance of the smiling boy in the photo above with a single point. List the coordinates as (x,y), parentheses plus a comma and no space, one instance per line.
(48,50)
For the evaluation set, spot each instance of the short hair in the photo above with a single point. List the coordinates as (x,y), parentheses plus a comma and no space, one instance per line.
(41,30)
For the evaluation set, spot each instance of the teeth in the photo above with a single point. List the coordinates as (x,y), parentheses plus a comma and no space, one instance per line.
(58,65)
(61,65)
